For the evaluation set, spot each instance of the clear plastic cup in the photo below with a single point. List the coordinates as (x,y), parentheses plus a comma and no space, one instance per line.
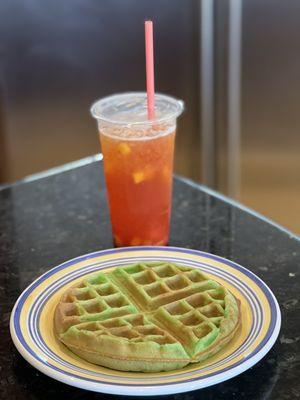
(138,165)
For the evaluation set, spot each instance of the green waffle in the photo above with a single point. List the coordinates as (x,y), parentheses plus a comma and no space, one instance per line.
(149,316)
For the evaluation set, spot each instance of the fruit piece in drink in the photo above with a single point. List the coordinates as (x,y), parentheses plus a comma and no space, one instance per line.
(138,176)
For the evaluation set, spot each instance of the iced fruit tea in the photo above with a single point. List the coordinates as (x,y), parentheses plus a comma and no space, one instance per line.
(138,173)
(138,163)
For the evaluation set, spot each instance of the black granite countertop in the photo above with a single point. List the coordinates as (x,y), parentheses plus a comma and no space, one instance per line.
(48,220)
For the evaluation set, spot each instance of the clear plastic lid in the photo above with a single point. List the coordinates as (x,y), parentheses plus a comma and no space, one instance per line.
(130,109)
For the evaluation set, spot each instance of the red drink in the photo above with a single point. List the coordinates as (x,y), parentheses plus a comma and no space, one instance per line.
(138,165)
(139,182)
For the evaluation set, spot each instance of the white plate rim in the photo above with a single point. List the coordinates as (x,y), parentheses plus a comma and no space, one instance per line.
(147,390)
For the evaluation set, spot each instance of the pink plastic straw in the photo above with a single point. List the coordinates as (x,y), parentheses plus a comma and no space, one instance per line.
(149,67)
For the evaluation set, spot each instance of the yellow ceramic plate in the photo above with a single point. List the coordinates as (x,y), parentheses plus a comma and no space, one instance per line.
(33,334)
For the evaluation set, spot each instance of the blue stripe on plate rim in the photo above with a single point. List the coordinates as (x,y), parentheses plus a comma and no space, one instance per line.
(38,305)
(247,362)
(37,308)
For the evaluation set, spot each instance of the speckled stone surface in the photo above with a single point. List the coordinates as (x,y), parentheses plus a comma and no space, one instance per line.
(50,220)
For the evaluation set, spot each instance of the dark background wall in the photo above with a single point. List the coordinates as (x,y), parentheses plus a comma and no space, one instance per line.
(57,57)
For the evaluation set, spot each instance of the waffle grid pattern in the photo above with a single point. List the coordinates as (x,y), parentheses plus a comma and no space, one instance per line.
(158,302)
(135,328)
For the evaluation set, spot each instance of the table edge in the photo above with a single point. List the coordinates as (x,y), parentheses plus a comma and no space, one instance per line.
(99,157)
